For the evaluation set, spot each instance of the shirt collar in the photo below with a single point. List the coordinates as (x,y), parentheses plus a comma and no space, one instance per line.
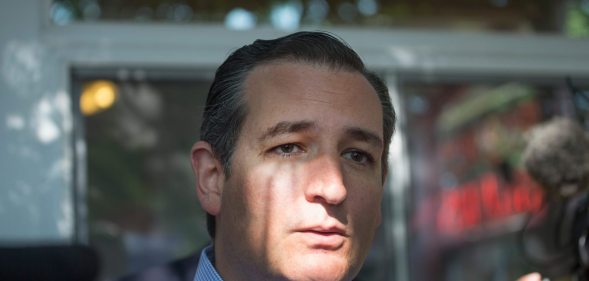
(205,270)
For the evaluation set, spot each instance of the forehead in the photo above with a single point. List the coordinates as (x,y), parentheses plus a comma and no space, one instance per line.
(290,91)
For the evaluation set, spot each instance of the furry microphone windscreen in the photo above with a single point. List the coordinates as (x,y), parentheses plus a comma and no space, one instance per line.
(557,156)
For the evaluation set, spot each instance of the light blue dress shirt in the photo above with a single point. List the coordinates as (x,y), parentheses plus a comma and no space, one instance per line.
(205,271)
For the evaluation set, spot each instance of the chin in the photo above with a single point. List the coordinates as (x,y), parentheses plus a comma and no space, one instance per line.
(322,267)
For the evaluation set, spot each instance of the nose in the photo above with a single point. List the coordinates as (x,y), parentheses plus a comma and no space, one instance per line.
(326,182)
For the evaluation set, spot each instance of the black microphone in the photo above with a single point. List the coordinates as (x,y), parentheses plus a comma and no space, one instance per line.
(557,157)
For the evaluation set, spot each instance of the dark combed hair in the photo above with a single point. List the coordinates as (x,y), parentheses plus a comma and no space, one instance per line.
(226,108)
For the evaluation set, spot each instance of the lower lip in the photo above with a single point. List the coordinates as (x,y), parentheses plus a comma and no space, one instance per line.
(324,240)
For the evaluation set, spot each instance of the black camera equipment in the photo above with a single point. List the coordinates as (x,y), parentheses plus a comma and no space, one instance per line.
(557,157)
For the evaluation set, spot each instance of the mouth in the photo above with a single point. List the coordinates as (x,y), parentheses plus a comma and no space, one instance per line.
(324,238)
(320,230)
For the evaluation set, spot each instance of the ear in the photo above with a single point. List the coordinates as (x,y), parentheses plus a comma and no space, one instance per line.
(209,177)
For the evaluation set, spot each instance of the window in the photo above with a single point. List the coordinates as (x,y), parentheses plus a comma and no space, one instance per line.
(141,203)
(470,196)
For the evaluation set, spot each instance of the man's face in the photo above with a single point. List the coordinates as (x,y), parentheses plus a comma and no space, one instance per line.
(303,199)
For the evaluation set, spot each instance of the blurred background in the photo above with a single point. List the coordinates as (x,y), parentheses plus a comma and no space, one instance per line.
(101,100)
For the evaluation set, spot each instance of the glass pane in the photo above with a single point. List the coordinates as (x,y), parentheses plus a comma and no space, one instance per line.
(142,206)
(569,17)
(470,195)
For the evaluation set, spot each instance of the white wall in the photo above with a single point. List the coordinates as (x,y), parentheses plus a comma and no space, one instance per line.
(35,126)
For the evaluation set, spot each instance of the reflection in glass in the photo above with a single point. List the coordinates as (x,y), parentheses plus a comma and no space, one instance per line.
(240,19)
(61,13)
(568,17)
(368,7)
(91,10)
(97,96)
(470,193)
(347,12)
(142,207)
(316,11)
(286,16)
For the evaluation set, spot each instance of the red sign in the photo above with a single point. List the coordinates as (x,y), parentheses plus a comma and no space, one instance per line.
(486,200)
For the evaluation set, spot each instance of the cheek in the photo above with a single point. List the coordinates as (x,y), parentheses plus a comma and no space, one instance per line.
(365,202)
(267,196)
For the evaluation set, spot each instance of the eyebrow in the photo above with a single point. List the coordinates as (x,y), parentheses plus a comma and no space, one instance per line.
(364,135)
(287,127)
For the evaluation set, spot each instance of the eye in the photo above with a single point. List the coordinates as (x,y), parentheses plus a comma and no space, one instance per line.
(287,150)
(358,156)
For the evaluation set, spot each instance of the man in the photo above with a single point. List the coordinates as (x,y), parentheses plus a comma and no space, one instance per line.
(292,160)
